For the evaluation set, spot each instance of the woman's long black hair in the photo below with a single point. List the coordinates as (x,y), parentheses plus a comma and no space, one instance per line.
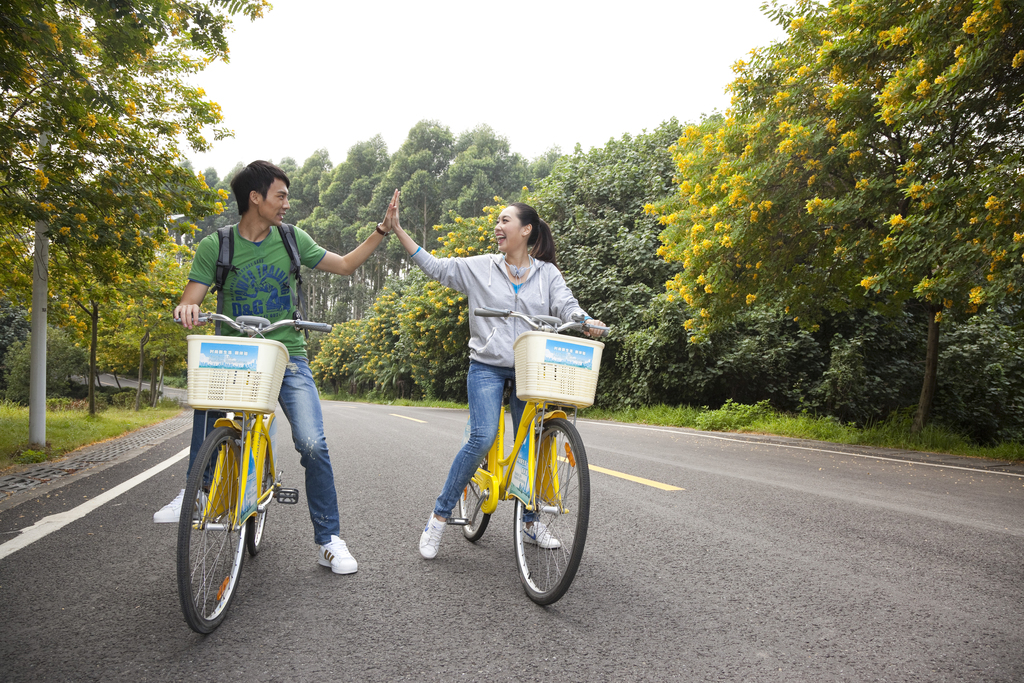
(540,241)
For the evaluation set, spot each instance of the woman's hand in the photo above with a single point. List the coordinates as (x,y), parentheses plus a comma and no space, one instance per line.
(591,332)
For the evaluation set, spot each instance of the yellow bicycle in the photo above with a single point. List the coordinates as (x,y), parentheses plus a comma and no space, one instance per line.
(545,472)
(233,479)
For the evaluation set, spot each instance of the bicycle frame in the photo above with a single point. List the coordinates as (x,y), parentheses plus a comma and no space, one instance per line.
(497,478)
(256,453)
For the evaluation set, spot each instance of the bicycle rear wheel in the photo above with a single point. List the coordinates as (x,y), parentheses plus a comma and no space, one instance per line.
(469,508)
(548,553)
(211,550)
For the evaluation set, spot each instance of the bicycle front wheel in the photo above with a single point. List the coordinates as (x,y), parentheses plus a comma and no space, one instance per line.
(211,549)
(257,524)
(549,541)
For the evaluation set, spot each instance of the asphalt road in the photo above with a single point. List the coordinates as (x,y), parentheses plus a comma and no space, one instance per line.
(776,560)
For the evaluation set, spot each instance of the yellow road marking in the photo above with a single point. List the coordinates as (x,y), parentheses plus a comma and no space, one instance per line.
(639,480)
(408,418)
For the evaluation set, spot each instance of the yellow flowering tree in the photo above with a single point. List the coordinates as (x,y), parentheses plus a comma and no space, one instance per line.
(95,108)
(870,160)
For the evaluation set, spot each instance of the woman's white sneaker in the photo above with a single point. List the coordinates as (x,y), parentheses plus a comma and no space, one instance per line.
(539,535)
(430,539)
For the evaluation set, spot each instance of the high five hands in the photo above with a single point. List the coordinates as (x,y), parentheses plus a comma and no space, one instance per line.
(390,221)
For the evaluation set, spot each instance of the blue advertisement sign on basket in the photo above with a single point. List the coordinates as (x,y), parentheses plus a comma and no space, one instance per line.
(227,356)
(567,353)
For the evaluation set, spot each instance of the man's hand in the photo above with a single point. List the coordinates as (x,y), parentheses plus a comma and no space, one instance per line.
(187,310)
(188,314)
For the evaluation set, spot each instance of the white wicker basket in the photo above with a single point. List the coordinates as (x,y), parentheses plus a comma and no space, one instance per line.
(235,373)
(557,368)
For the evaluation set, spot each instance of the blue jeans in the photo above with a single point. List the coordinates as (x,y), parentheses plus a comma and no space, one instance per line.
(485,385)
(300,402)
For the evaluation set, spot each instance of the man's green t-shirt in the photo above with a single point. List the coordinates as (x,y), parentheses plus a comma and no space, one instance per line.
(261,283)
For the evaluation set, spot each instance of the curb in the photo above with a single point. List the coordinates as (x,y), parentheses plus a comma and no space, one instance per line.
(89,459)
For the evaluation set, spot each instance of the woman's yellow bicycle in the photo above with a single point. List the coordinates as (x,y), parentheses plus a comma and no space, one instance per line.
(545,472)
(233,479)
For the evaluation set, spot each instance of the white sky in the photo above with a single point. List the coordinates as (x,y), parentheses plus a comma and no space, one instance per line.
(329,73)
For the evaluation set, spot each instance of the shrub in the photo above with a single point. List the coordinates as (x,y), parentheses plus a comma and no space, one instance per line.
(64,361)
(732,416)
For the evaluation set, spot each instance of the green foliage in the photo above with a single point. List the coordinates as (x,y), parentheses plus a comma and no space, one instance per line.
(64,361)
(732,416)
(981,390)
(14,327)
(30,456)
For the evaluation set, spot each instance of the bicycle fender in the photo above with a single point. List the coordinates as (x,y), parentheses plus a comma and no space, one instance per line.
(228,422)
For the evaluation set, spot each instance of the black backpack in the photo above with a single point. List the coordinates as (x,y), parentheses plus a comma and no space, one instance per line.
(226,236)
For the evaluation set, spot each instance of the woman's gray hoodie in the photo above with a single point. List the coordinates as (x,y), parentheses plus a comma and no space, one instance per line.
(483,280)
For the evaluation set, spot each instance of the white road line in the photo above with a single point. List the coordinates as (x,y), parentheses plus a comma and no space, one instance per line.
(406,417)
(47,525)
(804,448)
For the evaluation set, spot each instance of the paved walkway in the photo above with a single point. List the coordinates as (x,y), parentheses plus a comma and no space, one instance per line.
(90,456)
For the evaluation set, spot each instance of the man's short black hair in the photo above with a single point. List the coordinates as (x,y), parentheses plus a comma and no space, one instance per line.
(258,176)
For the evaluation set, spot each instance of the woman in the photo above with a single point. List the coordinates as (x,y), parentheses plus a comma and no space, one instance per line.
(524,278)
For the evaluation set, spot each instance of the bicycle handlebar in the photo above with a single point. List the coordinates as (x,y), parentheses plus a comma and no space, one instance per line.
(253,325)
(543,323)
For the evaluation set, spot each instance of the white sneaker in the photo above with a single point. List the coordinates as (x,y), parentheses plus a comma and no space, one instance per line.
(336,556)
(431,537)
(538,534)
(169,513)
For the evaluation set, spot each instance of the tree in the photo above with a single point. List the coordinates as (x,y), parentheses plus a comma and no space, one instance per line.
(103,86)
(871,160)
(94,102)
(484,167)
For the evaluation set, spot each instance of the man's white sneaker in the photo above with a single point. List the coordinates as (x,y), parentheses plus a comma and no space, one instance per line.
(169,513)
(336,556)
(538,534)
(431,538)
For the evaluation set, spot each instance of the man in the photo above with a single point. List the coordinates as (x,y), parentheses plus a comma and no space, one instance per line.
(261,284)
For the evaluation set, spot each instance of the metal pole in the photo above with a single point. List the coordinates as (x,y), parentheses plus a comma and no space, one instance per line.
(40,297)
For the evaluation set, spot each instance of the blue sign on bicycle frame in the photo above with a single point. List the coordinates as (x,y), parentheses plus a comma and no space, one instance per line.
(227,356)
(567,353)
(519,486)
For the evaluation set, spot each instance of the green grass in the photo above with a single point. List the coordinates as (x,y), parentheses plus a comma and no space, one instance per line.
(67,430)
(893,433)
(760,419)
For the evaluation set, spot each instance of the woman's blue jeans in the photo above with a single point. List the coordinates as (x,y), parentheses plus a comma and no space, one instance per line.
(300,402)
(485,386)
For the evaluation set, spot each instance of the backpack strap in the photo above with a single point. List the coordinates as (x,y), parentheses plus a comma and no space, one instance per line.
(292,247)
(226,239)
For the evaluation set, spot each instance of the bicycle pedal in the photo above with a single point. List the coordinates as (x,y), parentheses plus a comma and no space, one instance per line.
(287,496)
(457,521)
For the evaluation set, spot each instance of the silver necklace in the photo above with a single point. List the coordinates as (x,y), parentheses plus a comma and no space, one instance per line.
(517,272)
